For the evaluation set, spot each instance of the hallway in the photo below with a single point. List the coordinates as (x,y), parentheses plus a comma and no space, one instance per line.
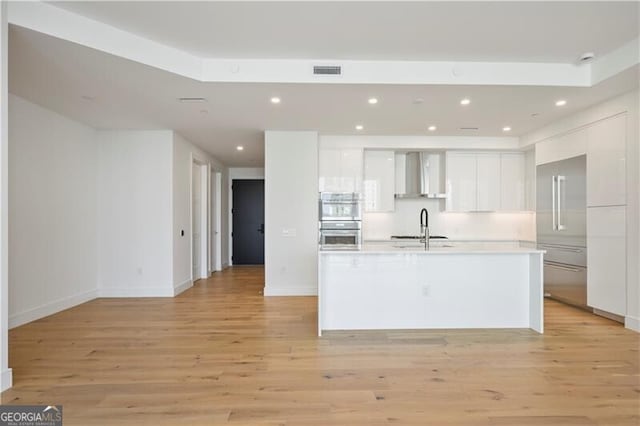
(222,353)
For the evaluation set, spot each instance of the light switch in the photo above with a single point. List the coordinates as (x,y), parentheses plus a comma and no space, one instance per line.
(288,232)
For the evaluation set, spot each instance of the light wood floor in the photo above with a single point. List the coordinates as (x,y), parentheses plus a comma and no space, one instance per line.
(221,353)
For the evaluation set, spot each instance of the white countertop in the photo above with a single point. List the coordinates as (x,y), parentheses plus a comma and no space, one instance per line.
(403,247)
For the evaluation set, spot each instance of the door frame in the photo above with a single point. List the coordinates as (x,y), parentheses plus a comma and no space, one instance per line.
(240,173)
(205,168)
(215,228)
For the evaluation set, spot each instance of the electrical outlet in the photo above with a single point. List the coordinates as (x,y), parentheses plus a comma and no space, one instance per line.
(426,290)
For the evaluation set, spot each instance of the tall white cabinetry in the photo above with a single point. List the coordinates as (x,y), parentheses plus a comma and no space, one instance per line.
(379,181)
(607,259)
(606,214)
(340,170)
(606,162)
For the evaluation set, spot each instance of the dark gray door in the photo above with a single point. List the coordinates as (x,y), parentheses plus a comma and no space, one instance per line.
(248,222)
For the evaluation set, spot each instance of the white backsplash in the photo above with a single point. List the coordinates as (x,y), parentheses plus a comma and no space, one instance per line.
(405,220)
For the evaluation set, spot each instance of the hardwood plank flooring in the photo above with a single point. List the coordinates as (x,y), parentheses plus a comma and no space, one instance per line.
(221,353)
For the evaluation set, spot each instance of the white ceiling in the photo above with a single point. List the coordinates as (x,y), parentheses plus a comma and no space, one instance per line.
(128,95)
(107,91)
(542,31)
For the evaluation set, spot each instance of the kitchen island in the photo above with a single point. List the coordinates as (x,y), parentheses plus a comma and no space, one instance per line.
(408,287)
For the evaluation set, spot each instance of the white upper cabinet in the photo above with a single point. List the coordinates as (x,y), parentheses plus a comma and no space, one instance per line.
(379,181)
(488,177)
(461,182)
(606,165)
(562,147)
(512,182)
(340,170)
(485,181)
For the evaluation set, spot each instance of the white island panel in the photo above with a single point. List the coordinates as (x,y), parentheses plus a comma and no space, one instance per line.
(400,290)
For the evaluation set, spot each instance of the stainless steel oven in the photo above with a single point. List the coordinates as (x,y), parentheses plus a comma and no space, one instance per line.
(341,206)
(340,224)
(340,235)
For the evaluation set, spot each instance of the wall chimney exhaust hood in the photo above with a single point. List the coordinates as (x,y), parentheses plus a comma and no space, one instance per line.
(419,174)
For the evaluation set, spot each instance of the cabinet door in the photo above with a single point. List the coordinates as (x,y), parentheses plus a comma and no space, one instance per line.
(606,259)
(379,181)
(606,168)
(461,182)
(488,175)
(351,165)
(512,182)
(329,170)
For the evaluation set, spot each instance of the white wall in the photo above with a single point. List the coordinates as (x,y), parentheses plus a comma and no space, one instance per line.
(238,173)
(405,220)
(184,152)
(291,191)
(53,246)
(134,211)
(624,103)
(5,371)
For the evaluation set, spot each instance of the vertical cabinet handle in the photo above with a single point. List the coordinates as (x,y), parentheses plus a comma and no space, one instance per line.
(554,224)
(560,183)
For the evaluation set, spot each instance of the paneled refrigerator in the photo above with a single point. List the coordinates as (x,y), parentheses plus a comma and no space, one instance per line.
(561,224)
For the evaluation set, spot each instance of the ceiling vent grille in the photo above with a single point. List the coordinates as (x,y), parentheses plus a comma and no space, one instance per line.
(469,128)
(192,99)
(327,70)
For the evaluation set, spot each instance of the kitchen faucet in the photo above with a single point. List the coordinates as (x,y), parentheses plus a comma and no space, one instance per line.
(424,228)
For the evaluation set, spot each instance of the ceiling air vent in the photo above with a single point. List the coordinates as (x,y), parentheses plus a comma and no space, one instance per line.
(469,128)
(327,70)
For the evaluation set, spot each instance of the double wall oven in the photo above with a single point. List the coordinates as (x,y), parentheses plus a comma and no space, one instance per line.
(340,225)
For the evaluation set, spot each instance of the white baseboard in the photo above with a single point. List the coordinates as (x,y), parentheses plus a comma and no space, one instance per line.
(182,287)
(51,308)
(167,291)
(632,323)
(291,291)
(6,380)
(225,265)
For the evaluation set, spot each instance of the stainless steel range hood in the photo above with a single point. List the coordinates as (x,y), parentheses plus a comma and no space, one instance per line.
(419,174)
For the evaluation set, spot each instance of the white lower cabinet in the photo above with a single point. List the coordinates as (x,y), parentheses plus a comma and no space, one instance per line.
(606,259)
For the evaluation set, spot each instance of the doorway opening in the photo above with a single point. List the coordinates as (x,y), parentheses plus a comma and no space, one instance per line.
(248,222)
(199,220)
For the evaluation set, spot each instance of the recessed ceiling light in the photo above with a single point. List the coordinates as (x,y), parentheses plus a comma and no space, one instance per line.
(465,101)
(432,128)
(359,127)
(240,148)
(275,100)
(561,102)
(418,101)
(373,101)
(506,129)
